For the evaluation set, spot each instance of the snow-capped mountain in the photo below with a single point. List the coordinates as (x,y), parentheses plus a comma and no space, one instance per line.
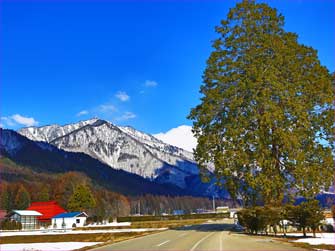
(45,158)
(51,132)
(121,148)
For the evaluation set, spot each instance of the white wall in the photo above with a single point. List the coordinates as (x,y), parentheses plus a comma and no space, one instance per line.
(329,221)
(68,222)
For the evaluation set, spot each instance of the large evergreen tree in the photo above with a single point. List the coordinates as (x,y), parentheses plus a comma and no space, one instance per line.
(44,194)
(22,198)
(266,115)
(81,199)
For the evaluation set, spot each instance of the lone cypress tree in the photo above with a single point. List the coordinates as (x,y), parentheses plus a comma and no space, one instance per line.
(22,198)
(44,194)
(266,115)
(81,199)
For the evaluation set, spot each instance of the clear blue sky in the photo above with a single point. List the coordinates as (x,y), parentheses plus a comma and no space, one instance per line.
(59,58)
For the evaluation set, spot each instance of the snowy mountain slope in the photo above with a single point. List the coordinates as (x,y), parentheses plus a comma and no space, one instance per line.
(121,148)
(51,132)
(156,143)
(45,158)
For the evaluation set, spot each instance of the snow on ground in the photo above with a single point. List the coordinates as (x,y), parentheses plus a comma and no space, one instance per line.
(321,238)
(110,224)
(51,232)
(50,246)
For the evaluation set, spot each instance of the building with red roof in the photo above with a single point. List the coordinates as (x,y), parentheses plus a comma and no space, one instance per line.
(48,209)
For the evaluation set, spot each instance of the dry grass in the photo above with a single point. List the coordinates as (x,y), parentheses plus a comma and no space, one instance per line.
(96,237)
(100,237)
(151,224)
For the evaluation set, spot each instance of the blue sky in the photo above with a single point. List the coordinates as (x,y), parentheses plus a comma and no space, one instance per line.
(133,63)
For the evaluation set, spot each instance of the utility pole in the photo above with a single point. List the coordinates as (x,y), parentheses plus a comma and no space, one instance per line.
(214,204)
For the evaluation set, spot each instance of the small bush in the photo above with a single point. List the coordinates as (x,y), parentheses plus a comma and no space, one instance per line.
(328,228)
(253,219)
(9,224)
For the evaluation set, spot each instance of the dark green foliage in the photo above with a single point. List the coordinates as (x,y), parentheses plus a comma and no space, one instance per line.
(44,194)
(9,224)
(267,103)
(5,199)
(254,219)
(273,217)
(22,198)
(81,199)
(259,219)
(307,214)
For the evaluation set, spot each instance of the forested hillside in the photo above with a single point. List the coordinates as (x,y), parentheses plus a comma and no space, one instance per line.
(21,185)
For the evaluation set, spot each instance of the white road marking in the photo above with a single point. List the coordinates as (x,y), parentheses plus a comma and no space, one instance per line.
(182,234)
(197,244)
(160,244)
(221,241)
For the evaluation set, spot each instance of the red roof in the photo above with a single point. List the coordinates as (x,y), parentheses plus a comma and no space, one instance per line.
(48,209)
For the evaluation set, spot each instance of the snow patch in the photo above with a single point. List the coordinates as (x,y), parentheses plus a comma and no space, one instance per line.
(50,246)
(321,238)
(70,231)
(110,224)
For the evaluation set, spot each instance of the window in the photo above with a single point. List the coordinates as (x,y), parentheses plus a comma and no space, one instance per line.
(77,220)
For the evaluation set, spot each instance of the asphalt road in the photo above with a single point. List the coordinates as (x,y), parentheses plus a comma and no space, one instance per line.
(212,236)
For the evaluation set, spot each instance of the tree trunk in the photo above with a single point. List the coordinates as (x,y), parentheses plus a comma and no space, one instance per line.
(304,231)
(284,229)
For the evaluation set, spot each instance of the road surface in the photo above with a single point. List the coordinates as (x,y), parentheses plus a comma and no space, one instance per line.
(209,236)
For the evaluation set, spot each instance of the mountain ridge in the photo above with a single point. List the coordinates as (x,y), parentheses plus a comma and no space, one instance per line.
(120,147)
(46,158)
(125,148)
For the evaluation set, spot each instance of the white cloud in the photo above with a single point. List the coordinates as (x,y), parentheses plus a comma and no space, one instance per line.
(181,136)
(7,121)
(150,83)
(123,96)
(127,116)
(81,113)
(26,121)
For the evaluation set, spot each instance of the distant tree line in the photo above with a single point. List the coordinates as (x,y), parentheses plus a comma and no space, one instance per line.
(156,205)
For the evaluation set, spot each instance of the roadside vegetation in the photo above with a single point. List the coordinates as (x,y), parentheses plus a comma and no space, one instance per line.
(150,224)
(307,215)
(89,237)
